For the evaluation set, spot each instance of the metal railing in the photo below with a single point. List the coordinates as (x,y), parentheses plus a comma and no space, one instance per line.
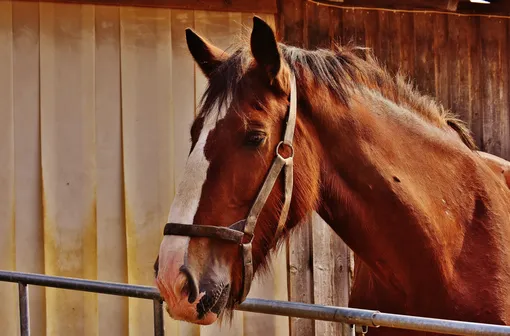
(359,317)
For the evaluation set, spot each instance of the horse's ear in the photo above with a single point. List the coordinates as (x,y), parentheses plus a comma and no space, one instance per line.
(207,56)
(265,48)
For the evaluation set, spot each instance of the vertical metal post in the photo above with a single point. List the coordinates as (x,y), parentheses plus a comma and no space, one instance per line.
(24,317)
(158,318)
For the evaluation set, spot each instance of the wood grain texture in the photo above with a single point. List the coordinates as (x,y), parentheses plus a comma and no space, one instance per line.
(259,6)
(300,274)
(441,59)
(111,233)
(424,65)
(8,308)
(68,163)
(458,68)
(331,273)
(495,86)
(27,140)
(147,138)
(475,76)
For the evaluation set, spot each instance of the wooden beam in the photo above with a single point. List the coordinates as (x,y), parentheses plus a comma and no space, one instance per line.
(442,5)
(249,6)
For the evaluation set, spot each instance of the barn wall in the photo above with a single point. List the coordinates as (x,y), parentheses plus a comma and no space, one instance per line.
(463,61)
(94,132)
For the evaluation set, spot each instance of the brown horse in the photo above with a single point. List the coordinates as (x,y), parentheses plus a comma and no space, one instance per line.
(394,174)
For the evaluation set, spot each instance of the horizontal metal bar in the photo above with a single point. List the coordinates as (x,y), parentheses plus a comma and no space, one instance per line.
(103,287)
(370,318)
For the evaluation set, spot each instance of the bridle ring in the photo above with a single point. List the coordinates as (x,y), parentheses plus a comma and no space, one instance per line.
(288,145)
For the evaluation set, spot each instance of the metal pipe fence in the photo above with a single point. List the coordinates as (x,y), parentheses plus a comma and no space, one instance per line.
(358,317)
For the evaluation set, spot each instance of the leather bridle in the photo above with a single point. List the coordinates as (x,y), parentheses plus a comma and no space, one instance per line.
(237,232)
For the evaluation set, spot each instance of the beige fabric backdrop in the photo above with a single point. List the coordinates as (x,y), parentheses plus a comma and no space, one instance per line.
(95,108)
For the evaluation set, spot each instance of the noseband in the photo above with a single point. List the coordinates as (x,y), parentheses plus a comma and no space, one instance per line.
(237,232)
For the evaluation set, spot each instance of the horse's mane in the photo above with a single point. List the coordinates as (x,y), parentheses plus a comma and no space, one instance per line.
(342,70)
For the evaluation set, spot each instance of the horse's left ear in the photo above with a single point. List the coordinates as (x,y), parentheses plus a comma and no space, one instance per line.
(264,47)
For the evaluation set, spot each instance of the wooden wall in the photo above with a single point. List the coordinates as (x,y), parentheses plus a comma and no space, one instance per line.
(96,104)
(464,61)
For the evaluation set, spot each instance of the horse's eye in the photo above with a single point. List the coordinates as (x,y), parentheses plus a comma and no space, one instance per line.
(254,138)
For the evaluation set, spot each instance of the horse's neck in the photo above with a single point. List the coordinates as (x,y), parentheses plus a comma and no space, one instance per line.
(394,189)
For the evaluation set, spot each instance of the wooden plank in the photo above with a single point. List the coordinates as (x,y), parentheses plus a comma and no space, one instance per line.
(291,22)
(28,188)
(441,68)
(222,29)
(111,233)
(8,308)
(318,19)
(335,26)
(147,145)
(353,27)
(331,274)
(259,6)
(474,80)
(68,162)
(444,5)
(300,273)
(424,57)
(495,86)
(406,23)
(459,44)
(370,19)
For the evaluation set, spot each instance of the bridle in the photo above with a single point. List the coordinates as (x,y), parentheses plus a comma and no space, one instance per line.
(237,232)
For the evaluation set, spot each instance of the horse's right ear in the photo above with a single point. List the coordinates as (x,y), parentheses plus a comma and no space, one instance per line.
(207,56)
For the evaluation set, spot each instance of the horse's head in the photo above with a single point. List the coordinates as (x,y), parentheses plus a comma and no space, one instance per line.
(234,141)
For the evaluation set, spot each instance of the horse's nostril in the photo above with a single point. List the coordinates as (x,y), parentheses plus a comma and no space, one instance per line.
(156,267)
(190,288)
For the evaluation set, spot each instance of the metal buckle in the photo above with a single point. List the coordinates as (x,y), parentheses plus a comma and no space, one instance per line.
(288,145)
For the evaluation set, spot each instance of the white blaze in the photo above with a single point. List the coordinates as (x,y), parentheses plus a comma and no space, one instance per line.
(185,204)
(187,198)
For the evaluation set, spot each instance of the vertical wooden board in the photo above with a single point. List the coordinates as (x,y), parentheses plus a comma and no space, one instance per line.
(389,35)
(223,30)
(8,308)
(29,228)
(335,26)
(441,61)
(147,132)
(459,44)
(331,274)
(111,234)
(68,162)
(495,85)
(183,112)
(300,274)
(291,22)
(474,80)
(318,19)
(424,55)
(353,26)
(371,23)
(273,286)
(406,24)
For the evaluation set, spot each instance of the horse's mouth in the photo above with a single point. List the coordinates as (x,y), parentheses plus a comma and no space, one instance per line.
(214,303)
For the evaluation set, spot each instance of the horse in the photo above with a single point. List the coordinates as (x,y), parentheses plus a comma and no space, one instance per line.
(283,131)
